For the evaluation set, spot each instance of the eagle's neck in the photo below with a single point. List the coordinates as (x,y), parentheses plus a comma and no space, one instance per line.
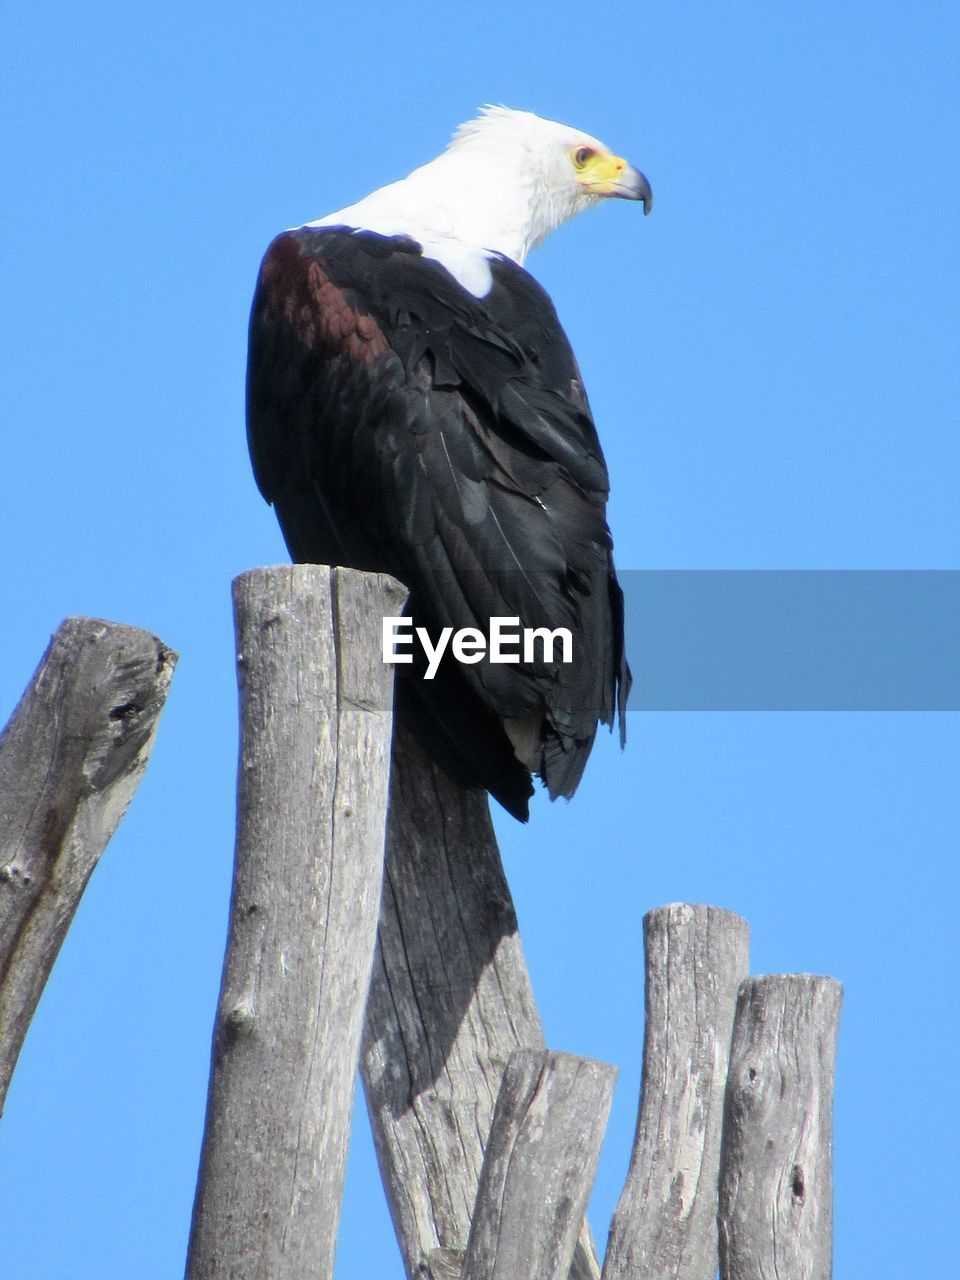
(464,207)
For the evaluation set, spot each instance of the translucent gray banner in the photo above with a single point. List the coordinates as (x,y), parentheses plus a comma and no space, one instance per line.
(793,640)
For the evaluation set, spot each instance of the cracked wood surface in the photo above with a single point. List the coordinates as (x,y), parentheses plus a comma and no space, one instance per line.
(316,716)
(539,1166)
(665,1224)
(71,758)
(776,1193)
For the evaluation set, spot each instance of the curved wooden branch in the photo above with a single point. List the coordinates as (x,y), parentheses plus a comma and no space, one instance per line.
(70,760)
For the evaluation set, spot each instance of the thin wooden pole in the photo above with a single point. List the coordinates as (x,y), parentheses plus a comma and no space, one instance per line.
(776,1198)
(70,760)
(450,1000)
(665,1224)
(539,1167)
(316,715)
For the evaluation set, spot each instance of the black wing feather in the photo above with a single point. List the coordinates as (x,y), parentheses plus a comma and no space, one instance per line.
(397,423)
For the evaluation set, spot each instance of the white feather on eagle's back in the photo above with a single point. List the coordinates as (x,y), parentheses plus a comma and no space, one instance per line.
(503,184)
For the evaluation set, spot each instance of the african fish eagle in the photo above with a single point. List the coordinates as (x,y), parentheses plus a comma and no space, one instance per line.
(414,407)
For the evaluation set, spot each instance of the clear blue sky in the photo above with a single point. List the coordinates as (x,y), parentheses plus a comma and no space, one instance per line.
(772,362)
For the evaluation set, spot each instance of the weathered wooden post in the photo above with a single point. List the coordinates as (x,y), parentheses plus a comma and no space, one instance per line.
(316,716)
(539,1166)
(71,758)
(665,1225)
(776,1190)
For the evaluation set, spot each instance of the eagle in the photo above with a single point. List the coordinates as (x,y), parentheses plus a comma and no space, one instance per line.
(414,408)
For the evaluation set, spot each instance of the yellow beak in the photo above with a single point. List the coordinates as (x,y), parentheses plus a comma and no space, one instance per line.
(609,175)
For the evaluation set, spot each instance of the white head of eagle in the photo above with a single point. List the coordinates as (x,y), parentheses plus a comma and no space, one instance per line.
(413,407)
(507,179)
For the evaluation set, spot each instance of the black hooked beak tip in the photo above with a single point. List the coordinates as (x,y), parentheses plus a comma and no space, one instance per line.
(633,185)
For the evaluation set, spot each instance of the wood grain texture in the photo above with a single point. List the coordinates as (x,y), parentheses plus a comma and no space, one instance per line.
(316,716)
(71,758)
(665,1222)
(450,1000)
(539,1166)
(776,1199)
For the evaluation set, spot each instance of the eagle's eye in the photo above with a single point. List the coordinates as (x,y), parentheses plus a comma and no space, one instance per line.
(582,155)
